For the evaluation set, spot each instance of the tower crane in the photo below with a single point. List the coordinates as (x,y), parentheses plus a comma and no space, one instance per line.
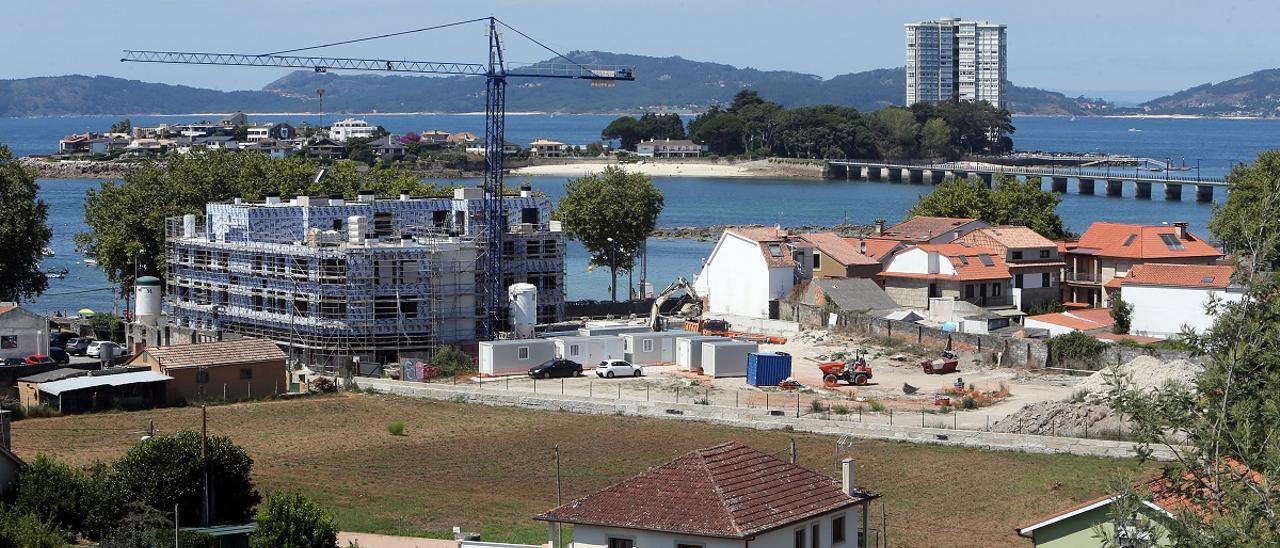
(495,72)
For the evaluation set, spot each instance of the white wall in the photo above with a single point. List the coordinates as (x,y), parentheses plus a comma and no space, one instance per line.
(1162,311)
(736,279)
(589,536)
(916,261)
(30,333)
(1054,329)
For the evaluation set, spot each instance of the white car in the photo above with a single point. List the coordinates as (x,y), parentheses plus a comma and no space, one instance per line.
(617,368)
(95,349)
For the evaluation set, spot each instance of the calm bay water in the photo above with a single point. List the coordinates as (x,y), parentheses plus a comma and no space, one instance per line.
(692,201)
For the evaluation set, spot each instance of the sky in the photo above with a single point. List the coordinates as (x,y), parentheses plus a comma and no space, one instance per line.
(1123,48)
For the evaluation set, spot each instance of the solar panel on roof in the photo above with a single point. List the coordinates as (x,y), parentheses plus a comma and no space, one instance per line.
(1130,239)
(1206,280)
(1171,241)
(963,260)
(986,259)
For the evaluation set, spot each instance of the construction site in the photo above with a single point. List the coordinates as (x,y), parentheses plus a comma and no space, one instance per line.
(360,283)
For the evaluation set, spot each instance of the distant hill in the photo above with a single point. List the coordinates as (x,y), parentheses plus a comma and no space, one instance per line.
(1256,94)
(665,83)
(71,95)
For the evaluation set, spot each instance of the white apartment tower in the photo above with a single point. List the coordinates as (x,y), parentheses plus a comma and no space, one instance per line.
(952,59)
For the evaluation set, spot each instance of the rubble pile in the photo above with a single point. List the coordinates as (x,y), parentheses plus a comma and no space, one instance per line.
(1145,373)
(1055,418)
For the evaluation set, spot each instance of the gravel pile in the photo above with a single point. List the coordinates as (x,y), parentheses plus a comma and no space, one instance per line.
(1057,418)
(1145,373)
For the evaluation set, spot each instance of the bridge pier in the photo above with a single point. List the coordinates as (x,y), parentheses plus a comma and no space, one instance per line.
(1059,185)
(864,173)
(1115,187)
(1086,186)
(874,173)
(1172,191)
(937,176)
(1204,193)
(986,178)
(1142,190)
(892,175)
(914,175)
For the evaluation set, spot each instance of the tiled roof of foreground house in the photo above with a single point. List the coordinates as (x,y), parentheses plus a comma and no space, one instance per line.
(216,353)
(970,263)
(921,228)
(771,241)
(727,491)
(839,249)
(1000,238)
(1177,275)
(1141,242)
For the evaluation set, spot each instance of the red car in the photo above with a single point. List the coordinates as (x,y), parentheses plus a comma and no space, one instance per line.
(39,359)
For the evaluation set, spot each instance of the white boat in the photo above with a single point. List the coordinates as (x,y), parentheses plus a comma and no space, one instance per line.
(47,252)
(91,262)
(56,275)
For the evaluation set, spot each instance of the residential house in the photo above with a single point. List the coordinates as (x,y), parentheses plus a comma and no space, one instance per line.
(263,132)
(1033,260)
(388,148)
(669,148)
(325,149)
(272,147)
(236,369)
(22,332)
(233,120)
(545,148)
(147,147)
(923,272)
(1167,297)
(219,142)
(257,133)
(462,139)
(833,295)
(1078,526)
(508,148)
(75,144)
(434,137)
(928,230)
(351,128)
(750,270)
(836,257)
(722,496)
(1093,321)
(102,146)
(1109,250)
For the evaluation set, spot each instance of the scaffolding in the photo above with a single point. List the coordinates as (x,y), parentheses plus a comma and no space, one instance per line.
(382,280)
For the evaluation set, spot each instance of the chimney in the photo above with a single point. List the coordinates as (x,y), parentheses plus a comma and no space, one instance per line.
(526,191)
(1180,228)
(336,200)
(238,199)
(846,469)
(273,198)
(404,196)
(365,196)
(862,247)
(955,234)
(879,227)
(5,434)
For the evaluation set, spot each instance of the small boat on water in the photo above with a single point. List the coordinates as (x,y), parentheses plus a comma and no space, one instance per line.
(47,252)
(56,275)
(1134,129)
(91,262)
(62,271)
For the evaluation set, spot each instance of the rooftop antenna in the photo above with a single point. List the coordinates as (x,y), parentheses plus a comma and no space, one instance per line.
(320,93)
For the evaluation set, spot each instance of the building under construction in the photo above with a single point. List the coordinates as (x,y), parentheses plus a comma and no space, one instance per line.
(379,279)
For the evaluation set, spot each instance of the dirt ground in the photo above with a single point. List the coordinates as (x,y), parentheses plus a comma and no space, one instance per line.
(489,469)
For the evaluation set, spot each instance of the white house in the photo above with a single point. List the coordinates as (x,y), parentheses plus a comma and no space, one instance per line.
(668,148)
(22,332)
(729,495)
(1166,297)
(349,128)
(749,269)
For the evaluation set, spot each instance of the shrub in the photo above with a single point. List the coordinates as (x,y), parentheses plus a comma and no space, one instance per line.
(1075,347)
(817,406)
(293,521)
(323,385)
(40,411)
(27,530)
(167,470)
(702,401)
(1122,313)
(840,409)
(452,361)
(968,403)
(68,498)
(396,428)
(876,406)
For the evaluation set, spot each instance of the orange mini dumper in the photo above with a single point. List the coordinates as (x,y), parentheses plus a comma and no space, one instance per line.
(854,372)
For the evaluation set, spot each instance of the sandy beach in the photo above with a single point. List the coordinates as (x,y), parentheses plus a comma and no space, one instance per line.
(663,168)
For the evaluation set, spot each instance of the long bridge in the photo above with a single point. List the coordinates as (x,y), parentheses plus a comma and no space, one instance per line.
(1087,178)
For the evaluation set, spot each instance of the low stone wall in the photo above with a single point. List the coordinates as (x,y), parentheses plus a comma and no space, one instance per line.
(761,420)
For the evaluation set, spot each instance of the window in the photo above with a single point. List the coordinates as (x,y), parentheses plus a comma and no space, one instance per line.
(246,373)
(647,346)
(837,530)
(800,539)
(1017,281)
(621,543)
(815,539)
(1044,280)
(968,291)
(337,225)
(775,250)
(995,289)
(1017,255)
(817,260)
(1044,253)
(202,377)
(933,291)
(529,215)
(573,350)
(522,353)
(9,341)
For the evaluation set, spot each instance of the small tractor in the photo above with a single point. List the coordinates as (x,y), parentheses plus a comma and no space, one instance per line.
(853,371)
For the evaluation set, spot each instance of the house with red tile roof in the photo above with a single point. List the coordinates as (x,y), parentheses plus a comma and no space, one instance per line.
(836,257)
(950,271)
(1109,250)
(1167,297)
(722,496)
(1094,321)
(1033,260)
(751,269)
(929,230)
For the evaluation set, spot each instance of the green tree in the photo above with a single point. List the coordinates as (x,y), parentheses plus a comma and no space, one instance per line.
(1253,190)
(895,129)
(293,521)
(1010,202)
(935,139)
(720,130)
(72,500)
(1122,314)
(141,526)
(612,205)
(660,126)
(594,149)
(127,220)
(167,470)
(24,529)
(1222,430)
(122,126)
(24,231)
(626,129)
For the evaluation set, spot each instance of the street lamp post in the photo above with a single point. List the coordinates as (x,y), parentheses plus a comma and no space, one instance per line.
(613,271)
(1197,170)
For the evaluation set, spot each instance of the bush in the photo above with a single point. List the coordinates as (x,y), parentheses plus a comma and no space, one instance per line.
(293,521)
(968,403)
(67,498)
(876,406)
(24,529)
(840,409)
(817,406)
(145,527)
(1122,313)
(40,411)
(167,470)
(396,428)
(452,361)
(1075,347)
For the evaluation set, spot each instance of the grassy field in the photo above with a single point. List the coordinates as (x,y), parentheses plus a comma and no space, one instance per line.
(489,469)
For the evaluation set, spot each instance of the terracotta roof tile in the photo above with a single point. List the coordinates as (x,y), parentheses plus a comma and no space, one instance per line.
(767,237)
(839,249)
(919,229)
(1005,237)
(728,491)
(759,233)
(1089,319)
(216,353)
(1179,275)
(1141,242)
(968,262)
(877,248)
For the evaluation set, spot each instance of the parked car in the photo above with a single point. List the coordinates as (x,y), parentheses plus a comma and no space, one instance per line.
(59,355)
(78,346)
(617,368)
(39,359)
(95,349)
(12,362)
(556,368)
(60,338)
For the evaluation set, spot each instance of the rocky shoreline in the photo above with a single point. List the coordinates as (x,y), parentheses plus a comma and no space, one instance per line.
(76,169)
(712,232)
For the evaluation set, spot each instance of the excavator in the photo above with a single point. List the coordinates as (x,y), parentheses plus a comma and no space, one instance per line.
(692,314)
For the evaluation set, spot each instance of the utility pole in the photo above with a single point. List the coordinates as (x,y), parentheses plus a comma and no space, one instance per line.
(204,461)
(793,451)
(559,527)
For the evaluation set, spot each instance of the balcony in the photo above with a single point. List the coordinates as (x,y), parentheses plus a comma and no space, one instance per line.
(1080,277)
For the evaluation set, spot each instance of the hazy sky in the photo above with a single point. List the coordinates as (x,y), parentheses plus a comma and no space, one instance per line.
(1093,45)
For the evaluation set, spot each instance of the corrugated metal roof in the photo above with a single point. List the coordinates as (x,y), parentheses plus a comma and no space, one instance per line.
(55,388)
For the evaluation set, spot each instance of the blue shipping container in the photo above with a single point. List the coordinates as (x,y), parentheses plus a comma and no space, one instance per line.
(767,369)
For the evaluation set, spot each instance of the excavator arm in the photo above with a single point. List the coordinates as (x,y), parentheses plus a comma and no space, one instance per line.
(680,284)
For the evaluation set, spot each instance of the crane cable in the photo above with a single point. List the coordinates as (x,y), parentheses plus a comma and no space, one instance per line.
(380,36)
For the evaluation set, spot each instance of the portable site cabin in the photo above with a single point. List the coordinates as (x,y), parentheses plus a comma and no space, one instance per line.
(689,350)
(513,357)
(611,329)
(651,348)
(589,351)
(726,359)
